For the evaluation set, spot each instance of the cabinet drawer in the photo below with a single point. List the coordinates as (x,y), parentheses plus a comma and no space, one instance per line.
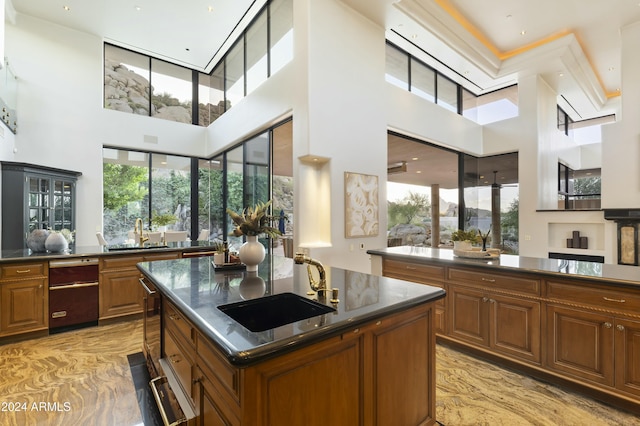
(181,362)
(119,262)
(601,297)
(178,324)
(220,371)
(23,270)
(495,280)
(412,271)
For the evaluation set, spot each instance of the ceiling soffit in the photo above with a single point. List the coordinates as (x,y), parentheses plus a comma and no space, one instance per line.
(560,59)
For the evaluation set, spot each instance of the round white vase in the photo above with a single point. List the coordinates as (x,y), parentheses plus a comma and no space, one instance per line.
(56,243)
(251,253)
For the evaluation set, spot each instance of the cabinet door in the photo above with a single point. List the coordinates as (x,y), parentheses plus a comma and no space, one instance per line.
(468,313)
(23,306)
(580,344)
(403,369)
(628,356)
(515,327)
(120,293)
(209,414)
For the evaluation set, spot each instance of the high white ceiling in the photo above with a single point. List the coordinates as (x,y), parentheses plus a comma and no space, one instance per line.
(574,44)
(191,33)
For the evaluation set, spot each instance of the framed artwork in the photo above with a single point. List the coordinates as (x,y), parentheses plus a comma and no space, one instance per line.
(628,244)
(360,205)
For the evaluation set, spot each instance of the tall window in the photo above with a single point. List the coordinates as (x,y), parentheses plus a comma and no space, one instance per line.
(126,81)
(281,48)
(171,91)
(423,80)
(397,67)
(447,93)
(144,185)
(264,47)
(578,189)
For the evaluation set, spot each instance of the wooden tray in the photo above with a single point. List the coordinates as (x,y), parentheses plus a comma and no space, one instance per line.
(477,253)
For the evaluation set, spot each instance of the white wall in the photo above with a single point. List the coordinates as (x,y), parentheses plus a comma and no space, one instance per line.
(61,120)
(621,140)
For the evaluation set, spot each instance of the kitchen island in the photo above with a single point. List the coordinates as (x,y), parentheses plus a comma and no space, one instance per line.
(569,322)
(370,360)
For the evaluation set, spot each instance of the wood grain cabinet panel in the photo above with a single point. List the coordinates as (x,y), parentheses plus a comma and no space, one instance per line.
(24,298)
(627,357)
(382,373)
(23,306)
(507,325)
(580,344)
(120,294)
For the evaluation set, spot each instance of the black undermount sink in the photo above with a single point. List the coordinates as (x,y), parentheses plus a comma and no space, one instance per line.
(274,311)
(124,248)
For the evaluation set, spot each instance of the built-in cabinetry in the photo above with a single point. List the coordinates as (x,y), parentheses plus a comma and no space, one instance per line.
(359,377)
(23,297)
(593,334)
(577,331)
(120,291)
(35,197)
(422,274)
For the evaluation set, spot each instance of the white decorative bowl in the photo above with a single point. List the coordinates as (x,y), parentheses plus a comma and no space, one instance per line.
(477,253)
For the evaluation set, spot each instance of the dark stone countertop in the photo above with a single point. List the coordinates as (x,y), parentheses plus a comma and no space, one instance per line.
(623,275)
(7,256)
(197,289)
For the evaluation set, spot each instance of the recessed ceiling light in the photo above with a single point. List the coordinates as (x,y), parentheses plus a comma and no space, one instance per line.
(523,32)
(67,8)
(138,8)
(611,68)
(414,158)
(210,8)
(561,74)
(414,36)
(418,171)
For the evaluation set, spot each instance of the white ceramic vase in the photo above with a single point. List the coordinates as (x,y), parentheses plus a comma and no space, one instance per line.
(251,253)
(56,243)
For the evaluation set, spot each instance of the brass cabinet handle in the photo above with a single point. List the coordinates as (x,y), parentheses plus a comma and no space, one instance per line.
(608,299)
(607,325)
(357,330)
(489,280)
(174,317)
(412,268)
(23,271)
(173,358)
(620,327)
(485,299)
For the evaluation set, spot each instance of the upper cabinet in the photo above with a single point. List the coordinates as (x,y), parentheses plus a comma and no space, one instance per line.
(35,197)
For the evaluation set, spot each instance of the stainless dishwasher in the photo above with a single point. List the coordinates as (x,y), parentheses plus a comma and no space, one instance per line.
(73,293)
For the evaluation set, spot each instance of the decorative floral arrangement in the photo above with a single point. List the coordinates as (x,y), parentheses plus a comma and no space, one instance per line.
(66,233)
(254,221)
(462,235)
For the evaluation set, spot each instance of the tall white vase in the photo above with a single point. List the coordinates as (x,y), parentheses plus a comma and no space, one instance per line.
(252,253)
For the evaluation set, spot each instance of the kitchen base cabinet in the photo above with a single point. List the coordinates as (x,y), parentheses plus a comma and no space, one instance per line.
(505,324)
(24,298)
(381,373)
(627,347)
(120,292)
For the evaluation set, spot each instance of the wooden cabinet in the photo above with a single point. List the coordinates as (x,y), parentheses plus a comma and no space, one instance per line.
(422,274)
(590,337)
(120,291)
(362,376)
(505,324)
(24,298)
(496,311)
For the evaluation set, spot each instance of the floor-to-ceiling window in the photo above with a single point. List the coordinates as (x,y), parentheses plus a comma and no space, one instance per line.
(425,205)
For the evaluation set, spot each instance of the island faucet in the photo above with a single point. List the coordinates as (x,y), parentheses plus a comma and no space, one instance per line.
(317,286)
(137,229)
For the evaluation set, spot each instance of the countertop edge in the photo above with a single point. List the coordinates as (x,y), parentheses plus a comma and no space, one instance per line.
(480,263)
(267,351)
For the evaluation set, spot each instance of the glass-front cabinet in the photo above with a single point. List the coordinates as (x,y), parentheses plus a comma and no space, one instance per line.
(35,197)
